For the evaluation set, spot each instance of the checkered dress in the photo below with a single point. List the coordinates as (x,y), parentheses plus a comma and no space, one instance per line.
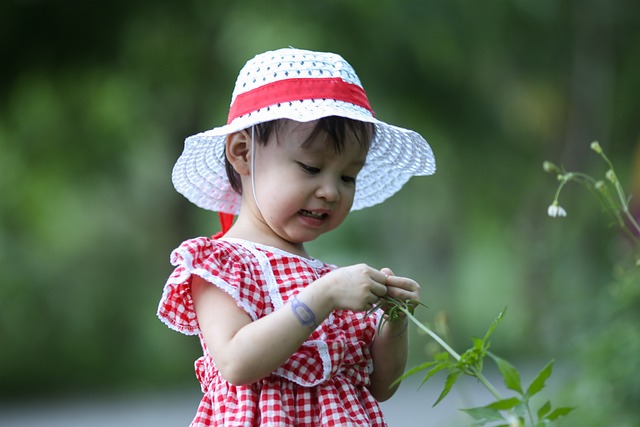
(324,383)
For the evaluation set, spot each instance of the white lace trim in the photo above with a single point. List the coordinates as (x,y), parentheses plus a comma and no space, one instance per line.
(265,266)
(323,351)
(186,261)
(276,299)
(252,246)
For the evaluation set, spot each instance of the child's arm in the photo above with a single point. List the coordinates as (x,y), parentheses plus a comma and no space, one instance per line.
(390,348)
(245,351)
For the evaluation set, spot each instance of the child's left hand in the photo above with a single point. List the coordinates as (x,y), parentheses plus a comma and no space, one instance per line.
(401,288)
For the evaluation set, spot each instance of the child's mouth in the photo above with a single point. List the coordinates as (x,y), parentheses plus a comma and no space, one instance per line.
(314,215)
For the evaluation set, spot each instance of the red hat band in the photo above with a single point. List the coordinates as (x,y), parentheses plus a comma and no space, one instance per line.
(297,89)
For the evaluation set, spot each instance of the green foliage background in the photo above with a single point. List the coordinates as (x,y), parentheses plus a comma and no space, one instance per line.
(97,98)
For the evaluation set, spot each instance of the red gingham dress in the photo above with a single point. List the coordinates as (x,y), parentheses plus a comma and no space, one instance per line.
(324,383)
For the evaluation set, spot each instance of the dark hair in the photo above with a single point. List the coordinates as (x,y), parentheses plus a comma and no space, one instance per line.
(338,128)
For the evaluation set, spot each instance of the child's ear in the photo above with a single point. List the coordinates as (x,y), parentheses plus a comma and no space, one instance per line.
(238,151)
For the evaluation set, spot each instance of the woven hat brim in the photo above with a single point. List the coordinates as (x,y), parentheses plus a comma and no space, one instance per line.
(395,155)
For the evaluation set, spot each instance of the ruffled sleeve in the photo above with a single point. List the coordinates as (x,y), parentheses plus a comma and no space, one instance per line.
(216,262)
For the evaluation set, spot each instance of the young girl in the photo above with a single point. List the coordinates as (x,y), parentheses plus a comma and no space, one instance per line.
(286,338)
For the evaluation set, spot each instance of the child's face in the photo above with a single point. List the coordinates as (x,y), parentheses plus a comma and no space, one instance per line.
(304,187)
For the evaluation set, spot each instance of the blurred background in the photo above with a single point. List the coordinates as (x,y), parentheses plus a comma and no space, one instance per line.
(96,99)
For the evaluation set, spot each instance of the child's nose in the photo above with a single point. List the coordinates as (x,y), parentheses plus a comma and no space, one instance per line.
(328,190)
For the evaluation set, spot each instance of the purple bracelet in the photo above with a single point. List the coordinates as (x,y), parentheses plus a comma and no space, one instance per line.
(303,313)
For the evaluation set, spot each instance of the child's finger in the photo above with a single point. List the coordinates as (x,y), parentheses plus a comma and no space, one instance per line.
(403,282)
(379,276)
(387,271)
(379,290)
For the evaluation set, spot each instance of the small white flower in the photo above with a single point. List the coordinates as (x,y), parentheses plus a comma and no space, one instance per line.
(556,211)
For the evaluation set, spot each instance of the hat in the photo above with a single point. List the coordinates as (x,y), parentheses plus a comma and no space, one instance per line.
(300,85)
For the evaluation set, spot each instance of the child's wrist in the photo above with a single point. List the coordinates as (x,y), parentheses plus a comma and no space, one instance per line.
(304,314)
(324,289)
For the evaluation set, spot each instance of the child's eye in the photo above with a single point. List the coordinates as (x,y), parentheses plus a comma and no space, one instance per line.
(309,169)
(349,179)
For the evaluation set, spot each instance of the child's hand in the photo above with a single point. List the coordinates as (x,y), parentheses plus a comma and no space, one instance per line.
(401,288)
(357,287)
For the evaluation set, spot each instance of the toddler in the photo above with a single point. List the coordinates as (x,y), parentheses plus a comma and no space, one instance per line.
(286,337)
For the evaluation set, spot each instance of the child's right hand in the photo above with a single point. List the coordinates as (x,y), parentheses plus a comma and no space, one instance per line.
(357,287)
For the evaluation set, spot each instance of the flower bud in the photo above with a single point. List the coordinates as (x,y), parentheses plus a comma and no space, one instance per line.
(595,146)
(550,168)
(611,176)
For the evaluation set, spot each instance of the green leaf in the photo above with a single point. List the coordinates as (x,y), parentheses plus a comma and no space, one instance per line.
(478,344)
(539,382)
(432,372)
(504,404)
(559,412)
(451,380)
(412,371)
(544,409)
(510,374)
(442,356)
(419,368)
(494,325)
(483,413)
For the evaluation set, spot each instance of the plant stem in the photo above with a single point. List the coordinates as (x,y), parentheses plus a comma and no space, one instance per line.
(432,334)
(625,208)
(452,352)
(529,412)
(621,195)
(485,382)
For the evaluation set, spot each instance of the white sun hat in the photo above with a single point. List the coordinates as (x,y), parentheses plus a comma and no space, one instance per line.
(300,85)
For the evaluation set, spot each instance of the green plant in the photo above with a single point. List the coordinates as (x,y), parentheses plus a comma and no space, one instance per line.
(608,386)
(608,191)
(504,411)
(518,410)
